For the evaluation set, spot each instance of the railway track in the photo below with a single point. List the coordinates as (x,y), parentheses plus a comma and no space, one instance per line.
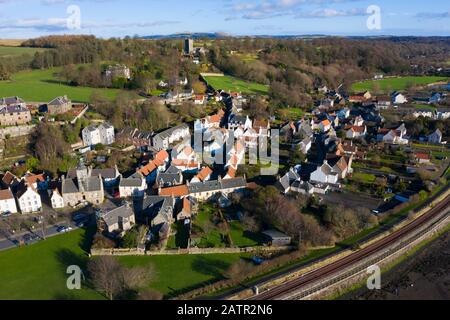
(346,262)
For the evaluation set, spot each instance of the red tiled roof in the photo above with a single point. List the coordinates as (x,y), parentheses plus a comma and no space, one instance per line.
(6,194)
(8,178)
(185,163)
(162,156)
(423,156)
(204,173)
(177,191)
(149,168)
(34,178)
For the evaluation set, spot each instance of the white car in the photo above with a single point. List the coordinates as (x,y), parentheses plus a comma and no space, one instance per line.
(63,229)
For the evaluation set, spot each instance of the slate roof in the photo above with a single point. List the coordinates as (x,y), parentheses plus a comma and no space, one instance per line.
(134,180)
(59,101)
(11,100)
(112,216)
(167,133)
(108,173)
(14,109)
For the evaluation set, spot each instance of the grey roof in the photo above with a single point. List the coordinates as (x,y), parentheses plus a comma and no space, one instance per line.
(93,184)
(159,206)
(234,183)
(288,179)
(90,128)
(11,100)
(133,181)
(106,125)
(238,119)
(167,133)
(216,185)
(112,216)
(305,129)
(14,109)
(108,173)
(69,186)
(58,101)
(273,234)
(170,176)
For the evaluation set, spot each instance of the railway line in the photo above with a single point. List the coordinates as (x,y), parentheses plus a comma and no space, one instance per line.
(352,259)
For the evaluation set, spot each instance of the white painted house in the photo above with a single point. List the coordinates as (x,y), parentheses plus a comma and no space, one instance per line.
(56,199)
(398,98)
(7,202)
(133,186)
(29,199)
(103,134)
(325,174)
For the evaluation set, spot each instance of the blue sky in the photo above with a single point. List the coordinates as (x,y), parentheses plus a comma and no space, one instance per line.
(118,18)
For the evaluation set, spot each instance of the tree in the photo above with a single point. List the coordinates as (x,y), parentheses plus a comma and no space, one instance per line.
(199,87)
(114,280)
(107,276)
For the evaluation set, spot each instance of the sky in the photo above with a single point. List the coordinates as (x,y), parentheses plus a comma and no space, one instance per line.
(21,19)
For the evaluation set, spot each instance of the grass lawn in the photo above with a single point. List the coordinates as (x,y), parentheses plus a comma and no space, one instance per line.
(7,51)
(204,232)
(181,273)
(364,177)
(229,83)
(399,83)
(39,271)
(242,237)
(291,113)
(43,86)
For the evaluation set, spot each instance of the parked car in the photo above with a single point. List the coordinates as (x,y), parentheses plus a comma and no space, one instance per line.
(63,229)
(30,238)
(6,214)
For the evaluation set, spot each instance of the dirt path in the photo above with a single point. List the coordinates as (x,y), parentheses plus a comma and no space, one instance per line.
(423,276)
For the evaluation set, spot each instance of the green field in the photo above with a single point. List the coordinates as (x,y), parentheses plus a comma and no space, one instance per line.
(400,83)
(229,83)
(39,271)
(17,51)
(43,86)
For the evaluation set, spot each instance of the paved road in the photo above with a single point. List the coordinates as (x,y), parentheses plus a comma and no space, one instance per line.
(14,240)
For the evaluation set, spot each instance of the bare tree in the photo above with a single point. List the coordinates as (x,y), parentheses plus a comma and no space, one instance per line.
(107,276)
(113,279)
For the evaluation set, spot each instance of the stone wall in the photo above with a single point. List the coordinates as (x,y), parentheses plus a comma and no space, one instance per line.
(138,252)
(16,131)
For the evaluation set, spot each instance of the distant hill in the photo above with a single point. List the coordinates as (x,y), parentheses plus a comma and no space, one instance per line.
(218,35)
(200,35)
